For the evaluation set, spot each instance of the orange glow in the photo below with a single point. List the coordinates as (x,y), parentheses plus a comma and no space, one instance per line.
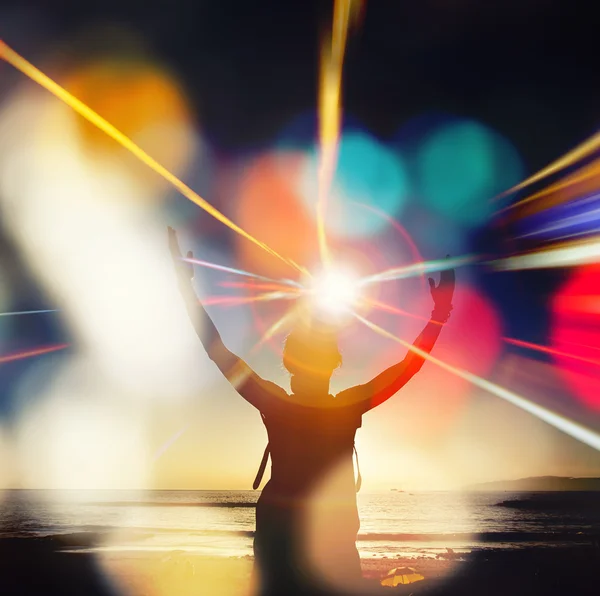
(130,96)
(268,207)
(31,353)
(81,108)
(278,326)
(258,286)
(142,102)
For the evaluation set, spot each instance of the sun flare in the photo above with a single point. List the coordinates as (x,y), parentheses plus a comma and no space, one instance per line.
(335,292)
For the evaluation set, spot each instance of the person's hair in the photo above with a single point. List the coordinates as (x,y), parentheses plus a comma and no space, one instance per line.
(311,350)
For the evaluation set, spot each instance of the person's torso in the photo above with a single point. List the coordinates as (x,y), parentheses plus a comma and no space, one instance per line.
(308,443)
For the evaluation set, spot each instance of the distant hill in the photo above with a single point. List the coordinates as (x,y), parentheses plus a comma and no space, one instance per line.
(540,484)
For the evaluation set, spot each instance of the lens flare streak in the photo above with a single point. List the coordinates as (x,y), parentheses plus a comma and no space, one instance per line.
(169,442)
(32,353)
(396,311)
(332,62)
(582,214)
(585,173)
(567,254)
(416,269)
(239,300)
(573,429)
(226,269)
(28,312)
(525,344)
(580,152)
(274,287)
(18,62)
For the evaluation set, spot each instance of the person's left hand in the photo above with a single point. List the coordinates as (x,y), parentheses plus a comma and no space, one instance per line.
(184,270)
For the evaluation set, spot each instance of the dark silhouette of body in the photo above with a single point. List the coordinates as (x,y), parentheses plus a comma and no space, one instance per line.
(306,517)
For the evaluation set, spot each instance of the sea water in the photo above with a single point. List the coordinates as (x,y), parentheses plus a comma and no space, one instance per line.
(222,522)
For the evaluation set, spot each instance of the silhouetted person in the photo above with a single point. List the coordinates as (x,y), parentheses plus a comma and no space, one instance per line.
(307,517)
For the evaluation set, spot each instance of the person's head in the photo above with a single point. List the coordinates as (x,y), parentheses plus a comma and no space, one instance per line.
(310,355)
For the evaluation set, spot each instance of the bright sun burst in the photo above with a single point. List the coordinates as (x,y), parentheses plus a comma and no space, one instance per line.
(335,292)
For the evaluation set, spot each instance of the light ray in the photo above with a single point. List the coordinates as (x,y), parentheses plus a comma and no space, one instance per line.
(396,311)
(569,427)
(18,62)
(567,222)
(330,111)
(169,442)
(32,353)
(580,345)
(589,171)
(28,312)
(516,342)
(583,150)
(416,269)
(226,269)
(548,350)
(577,235)
(258,286)
(567,254)
(239,300)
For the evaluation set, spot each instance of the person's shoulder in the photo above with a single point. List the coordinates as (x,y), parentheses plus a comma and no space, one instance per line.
(352,397)
(274,389)
(274,397)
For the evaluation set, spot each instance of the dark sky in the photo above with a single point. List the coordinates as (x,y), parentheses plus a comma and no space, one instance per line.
(527,68)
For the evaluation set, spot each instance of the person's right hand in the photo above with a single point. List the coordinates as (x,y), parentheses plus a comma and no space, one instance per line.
(442,293)
(184,270)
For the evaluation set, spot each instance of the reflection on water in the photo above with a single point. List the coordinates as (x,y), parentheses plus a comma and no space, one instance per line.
(222,522)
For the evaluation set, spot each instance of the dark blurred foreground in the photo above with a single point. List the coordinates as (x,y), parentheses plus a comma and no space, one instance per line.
(36,566)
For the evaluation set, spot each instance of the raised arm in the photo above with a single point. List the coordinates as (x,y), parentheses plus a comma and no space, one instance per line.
(247,383)
(387,383)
